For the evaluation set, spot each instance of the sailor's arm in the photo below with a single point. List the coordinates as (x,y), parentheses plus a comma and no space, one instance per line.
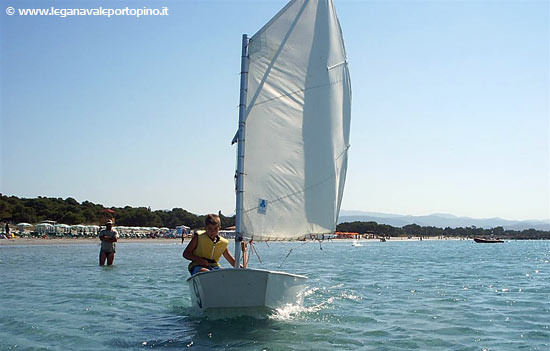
(229,257)
(110,239)
(188,252)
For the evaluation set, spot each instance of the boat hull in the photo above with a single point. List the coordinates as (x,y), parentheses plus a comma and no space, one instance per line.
(235,288)
(487,241)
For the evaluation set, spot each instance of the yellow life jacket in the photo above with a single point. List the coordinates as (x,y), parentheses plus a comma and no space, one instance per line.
(206,248)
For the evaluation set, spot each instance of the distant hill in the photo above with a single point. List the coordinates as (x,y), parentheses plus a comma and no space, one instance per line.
(441,220)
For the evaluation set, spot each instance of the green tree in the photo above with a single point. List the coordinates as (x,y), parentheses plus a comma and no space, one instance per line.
(5,209)
(23,214)
(413,230)
(72,218)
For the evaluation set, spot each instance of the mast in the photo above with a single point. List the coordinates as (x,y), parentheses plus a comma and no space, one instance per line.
(240,151)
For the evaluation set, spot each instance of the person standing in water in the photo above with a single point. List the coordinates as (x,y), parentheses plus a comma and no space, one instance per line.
(108,238)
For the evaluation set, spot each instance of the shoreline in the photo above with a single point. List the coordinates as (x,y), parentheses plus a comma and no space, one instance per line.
(85,241)
(90,241)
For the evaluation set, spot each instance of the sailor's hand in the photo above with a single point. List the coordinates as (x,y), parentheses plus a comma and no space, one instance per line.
(203,262)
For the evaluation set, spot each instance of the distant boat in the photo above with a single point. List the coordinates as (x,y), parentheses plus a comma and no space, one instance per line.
(356,243)
(489,241)
(383,240)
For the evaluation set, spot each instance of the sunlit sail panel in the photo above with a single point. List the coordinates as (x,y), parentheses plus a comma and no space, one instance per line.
(297,124)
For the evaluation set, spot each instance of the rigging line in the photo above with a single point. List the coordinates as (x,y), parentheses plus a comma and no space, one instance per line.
(256,252)
(285,258)
(302,190)
(266,238)
(292,194)
(288,254)
(335,82)
(305,242)
(299,237)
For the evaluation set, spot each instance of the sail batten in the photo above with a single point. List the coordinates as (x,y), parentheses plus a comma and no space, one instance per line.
(297,124)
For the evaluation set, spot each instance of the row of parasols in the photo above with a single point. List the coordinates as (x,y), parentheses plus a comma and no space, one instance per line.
(80,230)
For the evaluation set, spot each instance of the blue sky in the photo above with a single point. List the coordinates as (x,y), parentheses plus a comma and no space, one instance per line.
(450,105)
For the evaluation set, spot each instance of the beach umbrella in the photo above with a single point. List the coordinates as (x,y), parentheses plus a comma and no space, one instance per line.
(44,228)
(44,225)
(182,229)
(78,229)
(122,230)
(23,226)
(92,228)
(62,228)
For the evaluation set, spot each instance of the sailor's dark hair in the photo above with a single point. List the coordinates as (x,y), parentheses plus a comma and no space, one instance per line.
(212,219)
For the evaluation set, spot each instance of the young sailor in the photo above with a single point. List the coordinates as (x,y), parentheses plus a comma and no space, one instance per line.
(204,250)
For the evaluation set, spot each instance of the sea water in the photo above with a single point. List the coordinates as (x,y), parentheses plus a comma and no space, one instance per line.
(419,295)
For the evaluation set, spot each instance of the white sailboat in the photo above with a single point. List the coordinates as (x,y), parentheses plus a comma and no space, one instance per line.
(294,119)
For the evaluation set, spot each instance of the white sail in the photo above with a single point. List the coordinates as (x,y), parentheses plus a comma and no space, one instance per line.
(297,124)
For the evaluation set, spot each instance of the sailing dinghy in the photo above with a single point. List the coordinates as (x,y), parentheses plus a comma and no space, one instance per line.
(294,119)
